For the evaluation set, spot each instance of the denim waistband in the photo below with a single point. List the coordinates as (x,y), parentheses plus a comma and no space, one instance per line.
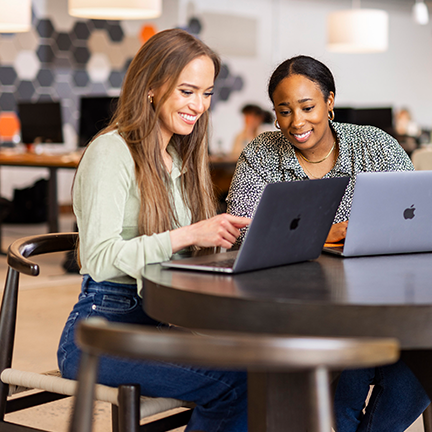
(90,285)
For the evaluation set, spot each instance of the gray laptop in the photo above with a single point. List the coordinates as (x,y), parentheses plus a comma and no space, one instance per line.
(391,213)
(290,225)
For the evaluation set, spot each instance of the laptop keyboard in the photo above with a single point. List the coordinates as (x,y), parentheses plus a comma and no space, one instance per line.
(228,263)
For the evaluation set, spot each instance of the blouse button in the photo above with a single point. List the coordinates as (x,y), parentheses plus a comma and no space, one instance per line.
(94,307)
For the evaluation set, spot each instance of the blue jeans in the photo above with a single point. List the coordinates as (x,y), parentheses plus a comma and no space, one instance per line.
(221,396)
(397,399)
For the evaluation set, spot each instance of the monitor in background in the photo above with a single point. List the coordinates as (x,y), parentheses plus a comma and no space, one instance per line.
(95,114)
(344,115)
(41,122)
(379,117)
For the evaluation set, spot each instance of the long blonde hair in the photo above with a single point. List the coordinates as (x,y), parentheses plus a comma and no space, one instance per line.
(159,62)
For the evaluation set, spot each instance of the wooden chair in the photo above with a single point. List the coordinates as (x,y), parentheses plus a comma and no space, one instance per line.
(253,352)
(52,385)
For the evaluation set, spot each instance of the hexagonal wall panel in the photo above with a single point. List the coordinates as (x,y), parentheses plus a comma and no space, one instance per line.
(81,55)
(146,32)
(45,53)
(99,68)
(27,65)
(63,42)
(117,56)
(238,83)
(27,40)
(116,79)
(80,30)
(26,90)
(224,72)
(9,125)
(115,32)
(63,89)
(64,62)
(224,93)
(99,42)
(7,75)
(45,28)
(130,46)
(7,101)
(45,77)
(8,50)
(81,78)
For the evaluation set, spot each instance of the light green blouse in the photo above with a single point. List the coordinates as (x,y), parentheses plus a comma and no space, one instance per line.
(106,203)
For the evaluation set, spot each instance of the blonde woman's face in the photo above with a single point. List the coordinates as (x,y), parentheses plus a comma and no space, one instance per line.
(189,100)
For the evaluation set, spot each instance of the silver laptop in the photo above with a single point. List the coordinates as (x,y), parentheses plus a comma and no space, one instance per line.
(391,213)
(290,225)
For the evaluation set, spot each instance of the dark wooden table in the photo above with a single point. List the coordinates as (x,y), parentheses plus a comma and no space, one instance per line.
(369,296)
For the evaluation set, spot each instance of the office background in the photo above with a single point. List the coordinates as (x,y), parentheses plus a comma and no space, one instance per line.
(64,57)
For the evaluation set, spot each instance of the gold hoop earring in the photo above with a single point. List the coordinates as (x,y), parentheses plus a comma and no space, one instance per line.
(276,124)
(150,98)
(331,115)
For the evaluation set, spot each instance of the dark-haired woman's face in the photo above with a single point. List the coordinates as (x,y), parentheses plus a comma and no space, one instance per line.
(302,113)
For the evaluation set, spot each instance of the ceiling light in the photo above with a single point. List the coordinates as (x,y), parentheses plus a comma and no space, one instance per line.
(115,9)
(420,12)
(15,16)
(357,31)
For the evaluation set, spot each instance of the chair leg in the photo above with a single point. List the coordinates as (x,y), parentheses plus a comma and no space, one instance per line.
(7,330)
(129,408)
(427,419)
(82,416)
(115,418)
(320,399)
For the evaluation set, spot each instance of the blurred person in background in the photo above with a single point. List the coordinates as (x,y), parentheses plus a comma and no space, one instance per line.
(254,118)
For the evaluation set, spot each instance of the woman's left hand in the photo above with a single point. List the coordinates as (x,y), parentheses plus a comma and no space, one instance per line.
(337,232)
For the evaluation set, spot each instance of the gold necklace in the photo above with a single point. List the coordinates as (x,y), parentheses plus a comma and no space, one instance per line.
(308,173)
(322,160)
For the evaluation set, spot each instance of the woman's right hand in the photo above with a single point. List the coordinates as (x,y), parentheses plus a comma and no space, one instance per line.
(221,230)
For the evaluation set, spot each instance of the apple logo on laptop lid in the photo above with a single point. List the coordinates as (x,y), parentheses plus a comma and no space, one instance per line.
(294,223)
(409,212)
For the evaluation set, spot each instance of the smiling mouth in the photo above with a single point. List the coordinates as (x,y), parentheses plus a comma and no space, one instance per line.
(188,118)
(302,137)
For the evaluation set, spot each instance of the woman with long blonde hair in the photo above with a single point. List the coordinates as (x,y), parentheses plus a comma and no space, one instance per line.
(143,192)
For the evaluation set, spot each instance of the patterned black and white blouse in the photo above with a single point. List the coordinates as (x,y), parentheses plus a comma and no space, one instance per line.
(270,158)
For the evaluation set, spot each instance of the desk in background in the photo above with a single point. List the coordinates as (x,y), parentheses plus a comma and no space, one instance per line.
(53,163)
(222,169)
(382,296)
